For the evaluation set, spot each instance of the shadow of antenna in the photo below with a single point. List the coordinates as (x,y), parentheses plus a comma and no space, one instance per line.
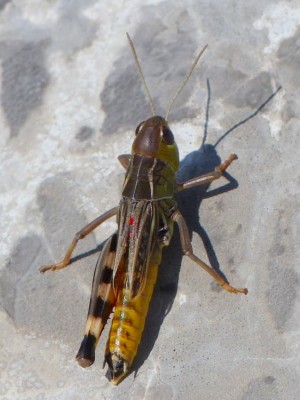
(239,123)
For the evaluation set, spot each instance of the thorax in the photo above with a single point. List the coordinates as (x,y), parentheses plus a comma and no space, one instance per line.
(148,178)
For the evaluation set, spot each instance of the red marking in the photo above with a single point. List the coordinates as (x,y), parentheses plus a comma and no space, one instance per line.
(130,220)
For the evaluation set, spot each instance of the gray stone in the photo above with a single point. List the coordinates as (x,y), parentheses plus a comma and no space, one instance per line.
(70,102)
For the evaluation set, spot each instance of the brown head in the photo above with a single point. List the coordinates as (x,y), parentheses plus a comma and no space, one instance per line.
(155,139)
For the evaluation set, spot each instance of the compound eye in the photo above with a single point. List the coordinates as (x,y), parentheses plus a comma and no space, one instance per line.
(138,128)
(167,135)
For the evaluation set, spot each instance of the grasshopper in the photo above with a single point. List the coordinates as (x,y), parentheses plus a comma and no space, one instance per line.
(126,271)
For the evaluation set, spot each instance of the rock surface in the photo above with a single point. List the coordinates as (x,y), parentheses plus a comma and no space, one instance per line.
(70,102)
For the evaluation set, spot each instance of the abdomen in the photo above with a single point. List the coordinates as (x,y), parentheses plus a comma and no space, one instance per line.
(128,325)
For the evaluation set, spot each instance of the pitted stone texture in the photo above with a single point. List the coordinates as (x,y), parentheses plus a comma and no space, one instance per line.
(70,102)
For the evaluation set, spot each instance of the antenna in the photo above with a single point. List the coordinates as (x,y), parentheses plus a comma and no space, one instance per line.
(185,80)
(136,60)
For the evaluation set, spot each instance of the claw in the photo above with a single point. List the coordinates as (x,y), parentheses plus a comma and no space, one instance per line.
(45,268)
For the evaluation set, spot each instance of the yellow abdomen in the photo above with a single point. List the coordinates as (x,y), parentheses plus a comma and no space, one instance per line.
(127,327)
